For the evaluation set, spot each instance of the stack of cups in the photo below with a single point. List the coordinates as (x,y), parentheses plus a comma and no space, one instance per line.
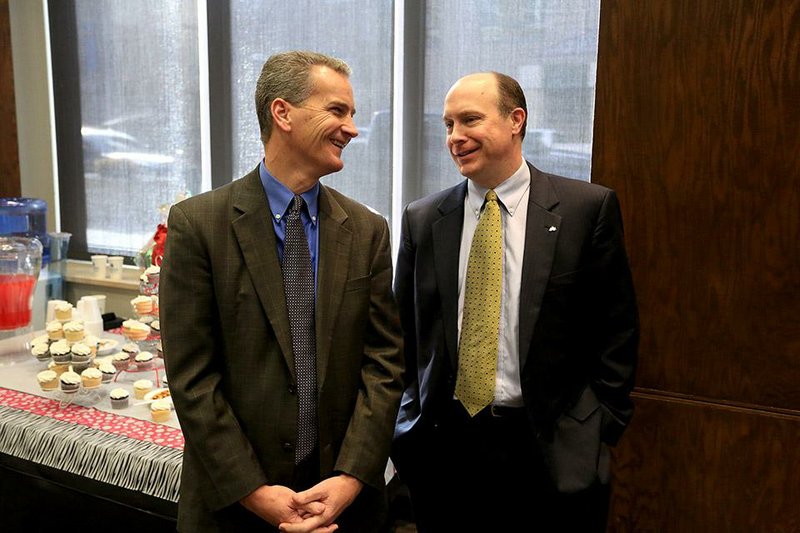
(89,308)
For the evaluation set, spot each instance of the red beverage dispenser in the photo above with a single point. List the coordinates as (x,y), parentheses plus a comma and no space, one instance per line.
(22,230)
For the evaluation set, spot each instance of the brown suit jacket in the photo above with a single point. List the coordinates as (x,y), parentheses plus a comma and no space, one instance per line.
(229,358)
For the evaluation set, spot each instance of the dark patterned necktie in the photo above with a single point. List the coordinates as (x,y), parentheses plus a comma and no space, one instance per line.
(298,283)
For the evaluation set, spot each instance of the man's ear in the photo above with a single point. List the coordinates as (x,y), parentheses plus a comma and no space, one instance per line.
(517,119)
(280,110)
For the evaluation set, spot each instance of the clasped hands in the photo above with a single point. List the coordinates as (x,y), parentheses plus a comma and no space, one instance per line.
(310,511)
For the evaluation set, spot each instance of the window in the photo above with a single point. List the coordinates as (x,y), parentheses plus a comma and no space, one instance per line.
(128,122)
(133,83)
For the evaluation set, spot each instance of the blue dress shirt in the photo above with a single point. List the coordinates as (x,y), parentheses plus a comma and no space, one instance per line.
(280,199)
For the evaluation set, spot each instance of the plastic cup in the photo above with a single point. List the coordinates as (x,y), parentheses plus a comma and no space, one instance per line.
(115,266)
(99,263)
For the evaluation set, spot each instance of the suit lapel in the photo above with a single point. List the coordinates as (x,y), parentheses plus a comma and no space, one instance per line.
(335,243)
(446,245)
(252,224)
(540,244)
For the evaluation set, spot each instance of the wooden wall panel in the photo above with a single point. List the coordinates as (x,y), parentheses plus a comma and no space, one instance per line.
(687,467)
(698,127)
(9,148)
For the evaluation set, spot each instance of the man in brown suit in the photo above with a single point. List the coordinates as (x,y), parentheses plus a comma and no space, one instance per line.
(229,333)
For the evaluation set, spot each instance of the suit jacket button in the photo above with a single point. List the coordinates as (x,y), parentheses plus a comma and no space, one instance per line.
(287,446)
(292,388)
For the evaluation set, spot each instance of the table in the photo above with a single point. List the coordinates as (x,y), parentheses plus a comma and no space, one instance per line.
(65,456)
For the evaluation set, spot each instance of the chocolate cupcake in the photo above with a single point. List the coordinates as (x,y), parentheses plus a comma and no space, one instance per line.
(119,398)
(70,382)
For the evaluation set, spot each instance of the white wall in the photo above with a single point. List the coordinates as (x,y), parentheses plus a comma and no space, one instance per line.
(34,109)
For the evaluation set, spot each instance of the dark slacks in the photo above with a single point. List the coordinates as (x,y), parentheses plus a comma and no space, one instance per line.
(486,474)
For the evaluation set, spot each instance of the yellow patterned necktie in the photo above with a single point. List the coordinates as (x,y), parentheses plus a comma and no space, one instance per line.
(480,323)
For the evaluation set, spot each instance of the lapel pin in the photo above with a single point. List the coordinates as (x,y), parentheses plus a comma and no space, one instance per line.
(551,228)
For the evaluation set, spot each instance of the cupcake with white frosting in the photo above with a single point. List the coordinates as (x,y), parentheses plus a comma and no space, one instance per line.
(55,330)
(121,361)
(135,330)
(91,378)
(61,351)
(160,410)
(108,371)
(142,305)
(48,380)
(73,331)
(63,311)
(119,398)
(70,382)
(144,360)
(81,353)
(41,352)
(142,387)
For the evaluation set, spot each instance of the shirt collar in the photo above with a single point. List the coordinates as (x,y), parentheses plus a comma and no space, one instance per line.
(509,193)
(280,197)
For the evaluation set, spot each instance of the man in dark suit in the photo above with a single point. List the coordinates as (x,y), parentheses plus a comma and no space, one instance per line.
(259,450)
(531,454)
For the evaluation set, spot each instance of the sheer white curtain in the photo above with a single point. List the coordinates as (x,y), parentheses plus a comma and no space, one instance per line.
(548,46)
(357,31)
(138,95)
(139,105)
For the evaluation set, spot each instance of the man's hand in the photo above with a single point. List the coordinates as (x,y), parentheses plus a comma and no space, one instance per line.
(333,494)
(275,504)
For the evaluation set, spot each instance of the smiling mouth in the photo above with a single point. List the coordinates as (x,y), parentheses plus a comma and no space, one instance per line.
(465,153)
(339,144)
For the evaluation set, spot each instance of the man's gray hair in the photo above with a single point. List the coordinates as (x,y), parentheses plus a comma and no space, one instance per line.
(286,76)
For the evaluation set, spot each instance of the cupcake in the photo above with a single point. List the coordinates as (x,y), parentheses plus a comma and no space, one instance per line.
(159,351)
(91,378)
(121,361)
(135,330)
(73,331)
(131,349)
(119,398)
(55,330)
(92,342)
(48,380)
(61,351)
(63,311)
(70,382)
(81,353)
(58,368)
(41,339)
(142,305)
(142,387)
(155,304)
(155,326)
(160,410)
(41,352)
(144,360)
(108,371)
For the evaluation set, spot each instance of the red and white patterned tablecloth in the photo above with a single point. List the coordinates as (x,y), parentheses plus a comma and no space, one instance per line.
(94,418)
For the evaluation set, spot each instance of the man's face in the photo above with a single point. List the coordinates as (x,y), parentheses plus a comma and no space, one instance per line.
(324,122)
(480,140)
